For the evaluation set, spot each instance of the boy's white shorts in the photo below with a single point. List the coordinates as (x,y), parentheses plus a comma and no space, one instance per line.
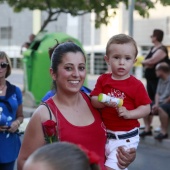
(113,144)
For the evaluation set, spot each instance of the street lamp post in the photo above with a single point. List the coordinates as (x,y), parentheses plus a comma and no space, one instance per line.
(131,9)
(92,42)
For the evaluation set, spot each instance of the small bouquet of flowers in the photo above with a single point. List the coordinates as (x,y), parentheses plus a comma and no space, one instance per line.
(50,131)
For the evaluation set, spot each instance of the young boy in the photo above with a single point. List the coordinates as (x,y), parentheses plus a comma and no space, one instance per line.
(121,122)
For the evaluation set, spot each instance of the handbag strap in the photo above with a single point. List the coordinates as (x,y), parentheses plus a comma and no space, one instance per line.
(45,104)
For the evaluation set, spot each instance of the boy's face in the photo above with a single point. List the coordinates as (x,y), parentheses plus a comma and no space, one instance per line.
(121,58)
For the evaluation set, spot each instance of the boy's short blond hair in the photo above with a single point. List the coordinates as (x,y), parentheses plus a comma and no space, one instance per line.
(121,39)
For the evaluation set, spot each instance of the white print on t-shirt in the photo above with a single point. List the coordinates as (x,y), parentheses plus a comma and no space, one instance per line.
(117,93)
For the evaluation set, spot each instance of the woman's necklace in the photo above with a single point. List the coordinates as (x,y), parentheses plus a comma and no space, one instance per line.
(1,89)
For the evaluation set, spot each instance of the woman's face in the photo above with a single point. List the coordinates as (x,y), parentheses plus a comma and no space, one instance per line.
(71,72)
(3,70)
(153,39)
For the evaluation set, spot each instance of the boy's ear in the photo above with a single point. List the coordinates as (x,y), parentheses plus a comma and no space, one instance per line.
(106,58)
(135,61)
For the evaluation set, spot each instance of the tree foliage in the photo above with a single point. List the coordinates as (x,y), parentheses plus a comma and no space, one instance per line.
(79,7)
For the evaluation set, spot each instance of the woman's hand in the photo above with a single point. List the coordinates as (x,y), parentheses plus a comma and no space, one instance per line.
(125,158)
(14,126)
(3,128)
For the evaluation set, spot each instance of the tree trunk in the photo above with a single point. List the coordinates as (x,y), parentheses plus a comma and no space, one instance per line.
(45,23)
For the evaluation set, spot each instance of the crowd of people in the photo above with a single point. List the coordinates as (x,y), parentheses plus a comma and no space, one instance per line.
(157,54)
(71,128)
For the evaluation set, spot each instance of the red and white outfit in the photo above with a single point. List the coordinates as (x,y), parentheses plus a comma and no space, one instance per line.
(133,93)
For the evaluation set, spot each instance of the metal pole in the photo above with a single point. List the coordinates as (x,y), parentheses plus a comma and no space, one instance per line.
(131,9)
(92,42)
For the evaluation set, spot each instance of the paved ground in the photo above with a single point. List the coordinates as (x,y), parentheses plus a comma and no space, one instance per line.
(151,158)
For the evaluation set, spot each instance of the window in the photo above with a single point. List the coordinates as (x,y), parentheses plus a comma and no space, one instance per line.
(6,32)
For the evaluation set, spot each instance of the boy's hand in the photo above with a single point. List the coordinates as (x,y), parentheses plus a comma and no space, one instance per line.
(123,112)
(110,103)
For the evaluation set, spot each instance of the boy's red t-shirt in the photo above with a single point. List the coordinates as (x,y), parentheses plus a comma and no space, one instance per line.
(133,93)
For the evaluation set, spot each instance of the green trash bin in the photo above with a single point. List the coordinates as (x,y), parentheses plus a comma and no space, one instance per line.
(36,62)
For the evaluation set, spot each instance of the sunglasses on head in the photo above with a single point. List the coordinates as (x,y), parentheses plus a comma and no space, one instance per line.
(4,65)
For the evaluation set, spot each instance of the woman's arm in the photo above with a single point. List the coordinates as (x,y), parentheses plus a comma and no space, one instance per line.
(157,56)
(96,103)
(19,112)
(125,158)
(33,137)
(20,116)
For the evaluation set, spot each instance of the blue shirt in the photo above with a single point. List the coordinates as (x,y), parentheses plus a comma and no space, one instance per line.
(52,93)
(9,146)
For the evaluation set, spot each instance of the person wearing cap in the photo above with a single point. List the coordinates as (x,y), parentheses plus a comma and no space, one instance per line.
(157,54)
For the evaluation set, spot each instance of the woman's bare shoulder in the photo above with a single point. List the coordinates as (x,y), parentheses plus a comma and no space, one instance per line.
(42,113)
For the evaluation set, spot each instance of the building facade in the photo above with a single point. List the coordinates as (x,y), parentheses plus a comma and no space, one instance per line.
(15,29)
